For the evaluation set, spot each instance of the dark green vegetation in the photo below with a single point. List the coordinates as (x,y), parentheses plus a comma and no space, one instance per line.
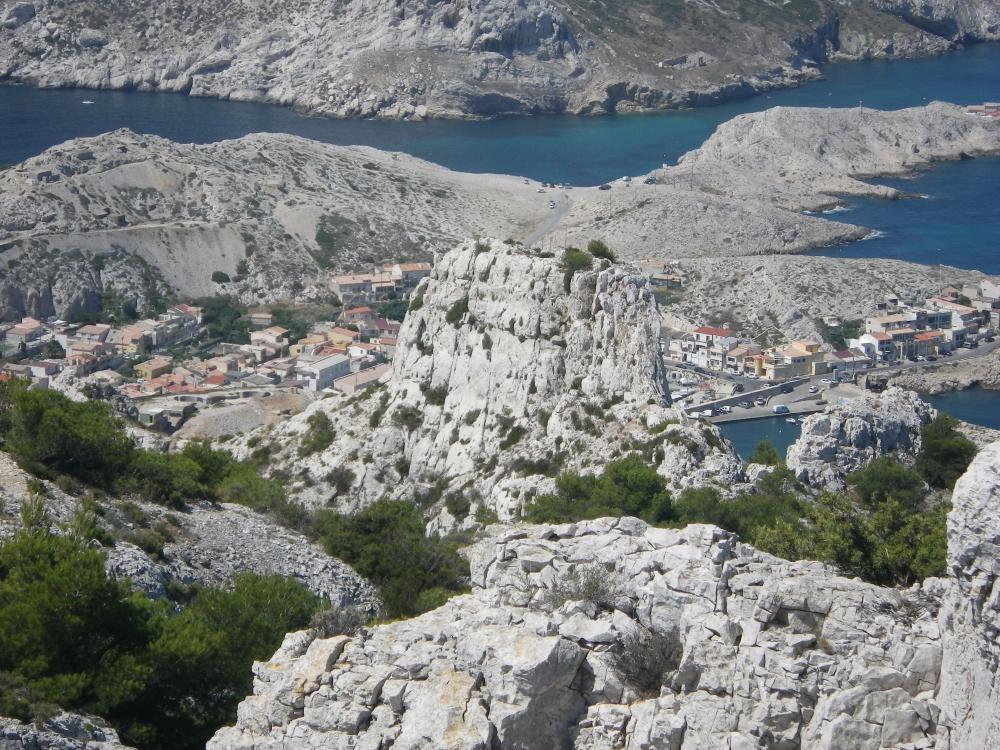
(574,260)
(887,528)
(838,335)
(55,438)
(72,638)
(387,544)
(168,674)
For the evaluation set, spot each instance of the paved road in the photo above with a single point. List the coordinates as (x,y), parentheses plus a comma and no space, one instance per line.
(801,401)
(556,215)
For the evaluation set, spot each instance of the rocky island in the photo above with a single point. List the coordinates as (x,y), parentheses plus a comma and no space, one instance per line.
(417,59)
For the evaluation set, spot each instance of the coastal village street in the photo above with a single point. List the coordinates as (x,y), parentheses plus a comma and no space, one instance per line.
(799,399)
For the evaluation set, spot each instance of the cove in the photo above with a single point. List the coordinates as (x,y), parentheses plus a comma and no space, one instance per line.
(745,435)
(975,405)
(955,223)
(581,151)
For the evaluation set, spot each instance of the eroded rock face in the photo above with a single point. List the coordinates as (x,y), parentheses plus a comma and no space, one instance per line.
(970,616)
(845,437)
(752,652)
(506,370)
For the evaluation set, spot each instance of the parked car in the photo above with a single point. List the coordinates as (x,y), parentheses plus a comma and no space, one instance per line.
(827,381)
(779,409)
(605,186)
(650,181)
(921,358)
(745,404)
(761,402)
(738,388)
(821,402)
(787,389)
(990,339)
(725,409)
(931,358)
(814,389)
(708,413)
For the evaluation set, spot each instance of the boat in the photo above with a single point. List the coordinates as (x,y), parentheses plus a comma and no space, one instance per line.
(86,101)
(793,420)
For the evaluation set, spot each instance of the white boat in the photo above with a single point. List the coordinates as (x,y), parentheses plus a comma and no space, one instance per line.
(793,420)
(86,101)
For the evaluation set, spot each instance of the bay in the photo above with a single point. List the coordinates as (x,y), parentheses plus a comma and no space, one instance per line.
(954,223)
(578,150)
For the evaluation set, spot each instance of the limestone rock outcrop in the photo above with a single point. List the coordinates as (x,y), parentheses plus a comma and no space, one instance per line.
(970,617)
(506,370)
(64,731)
(845,437)
(612,634)
(206,544)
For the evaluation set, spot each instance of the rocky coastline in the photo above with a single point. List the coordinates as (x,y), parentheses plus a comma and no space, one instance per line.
(417,59)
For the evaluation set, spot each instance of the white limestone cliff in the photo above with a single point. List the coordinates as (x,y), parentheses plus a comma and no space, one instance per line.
(504,372)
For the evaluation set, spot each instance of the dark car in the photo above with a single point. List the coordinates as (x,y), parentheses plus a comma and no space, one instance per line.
(738,388)
(787,389)
(931,358)
(990,339)
(605,186)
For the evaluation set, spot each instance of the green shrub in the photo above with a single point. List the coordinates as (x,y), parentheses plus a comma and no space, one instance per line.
(408,417)
(471,417)
(386,543)
(320,435)
(70,637)
(627,487)
(457,311)
(434,396)
(574,260)
(598,249)
(342,479)
(945,453)
(458,505)
(220,277)
(765,453)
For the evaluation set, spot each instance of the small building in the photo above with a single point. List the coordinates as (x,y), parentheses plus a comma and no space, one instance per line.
(153,368)
(261,319)
(320,373)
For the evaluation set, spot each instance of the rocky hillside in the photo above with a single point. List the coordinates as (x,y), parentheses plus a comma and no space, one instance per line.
(277,215)
(64,731)
(205,544)
(792,293)
(507,369)
(420,58)
(612,634)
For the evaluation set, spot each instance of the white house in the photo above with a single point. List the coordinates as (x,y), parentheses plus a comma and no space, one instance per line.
(320,373)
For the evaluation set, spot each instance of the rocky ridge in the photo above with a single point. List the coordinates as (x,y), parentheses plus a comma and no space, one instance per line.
(418,58)
(730,648)
(845,437)
(207,544)
(505,370)
(277,215)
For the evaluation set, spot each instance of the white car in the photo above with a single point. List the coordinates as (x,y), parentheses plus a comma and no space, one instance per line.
(814,389)
(828,381)
(725,409)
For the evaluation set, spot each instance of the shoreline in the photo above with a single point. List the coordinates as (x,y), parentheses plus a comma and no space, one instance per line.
(687,100)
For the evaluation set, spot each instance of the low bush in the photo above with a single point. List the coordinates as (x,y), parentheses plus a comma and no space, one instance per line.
(386,543)
(644,658)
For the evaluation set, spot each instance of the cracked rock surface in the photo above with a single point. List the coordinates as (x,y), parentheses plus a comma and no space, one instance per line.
(749,651)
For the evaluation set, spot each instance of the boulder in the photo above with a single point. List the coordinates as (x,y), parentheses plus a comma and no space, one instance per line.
(18,15)
(92,38)
(845,437)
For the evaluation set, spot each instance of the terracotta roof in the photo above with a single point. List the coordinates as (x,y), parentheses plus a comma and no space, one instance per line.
(710,331)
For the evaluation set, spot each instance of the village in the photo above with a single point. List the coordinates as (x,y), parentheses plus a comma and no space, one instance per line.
(153,371)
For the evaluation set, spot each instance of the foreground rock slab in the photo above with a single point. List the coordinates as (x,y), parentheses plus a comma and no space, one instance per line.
(610,634)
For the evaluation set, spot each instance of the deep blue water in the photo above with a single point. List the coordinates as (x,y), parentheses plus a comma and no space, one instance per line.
(956,224)
(583,151)
(746,435)
(975,405)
